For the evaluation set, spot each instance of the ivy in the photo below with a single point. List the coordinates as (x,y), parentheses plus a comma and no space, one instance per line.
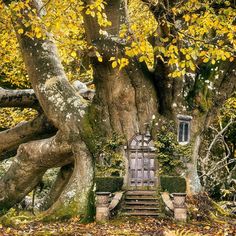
(109,159)
(172,157)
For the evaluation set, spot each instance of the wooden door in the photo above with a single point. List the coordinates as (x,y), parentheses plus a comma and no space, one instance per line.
(142,164)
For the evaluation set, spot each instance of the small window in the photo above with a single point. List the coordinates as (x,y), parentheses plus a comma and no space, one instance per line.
(184,129)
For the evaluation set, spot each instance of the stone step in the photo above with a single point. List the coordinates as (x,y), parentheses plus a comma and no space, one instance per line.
(141,213)
(140,193)
(141,203)
(134,197)
(135,207)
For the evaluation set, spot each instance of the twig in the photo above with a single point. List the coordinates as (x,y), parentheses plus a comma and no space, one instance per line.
(217,136)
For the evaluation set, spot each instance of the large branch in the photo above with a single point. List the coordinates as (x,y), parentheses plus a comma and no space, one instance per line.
(29,165)
(10,139)
(26,98)
(226,83)
(18,98)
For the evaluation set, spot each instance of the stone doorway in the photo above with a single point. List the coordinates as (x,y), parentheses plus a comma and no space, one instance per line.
(142,163)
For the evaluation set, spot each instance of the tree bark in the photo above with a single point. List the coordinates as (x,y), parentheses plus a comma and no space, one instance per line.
(61,181)
(10,139)
(79,189)
(29,165)
(64,108)
(18,98)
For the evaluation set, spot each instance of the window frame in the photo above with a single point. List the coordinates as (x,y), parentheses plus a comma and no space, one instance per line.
(185,120)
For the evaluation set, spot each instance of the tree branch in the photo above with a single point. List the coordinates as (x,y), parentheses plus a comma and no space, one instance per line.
(217,137)
(18,98)
(219,165)
(10,139)
(30,164)
(26,98)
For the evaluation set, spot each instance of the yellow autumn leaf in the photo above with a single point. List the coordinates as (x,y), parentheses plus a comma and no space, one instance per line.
(38,35)
(100,59)
(164,40)
(48,24)
(191,65)
(223,57)
(114,64)
(37,29)
(123,62)
(141,59)
(227,54)
(187,18)
(112,58)
(206,60)
(143,48)
(88,12)
(92,13)
(188,57)
(202,53)
(20,31)
(3,43)
(73,54)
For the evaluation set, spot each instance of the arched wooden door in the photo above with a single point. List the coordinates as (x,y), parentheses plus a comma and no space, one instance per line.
(142,163)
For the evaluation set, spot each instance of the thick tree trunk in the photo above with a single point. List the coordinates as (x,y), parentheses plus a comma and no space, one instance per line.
(126,99)
(65,109)
(78,191)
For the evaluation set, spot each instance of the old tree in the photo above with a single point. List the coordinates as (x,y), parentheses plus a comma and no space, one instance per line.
(150,60)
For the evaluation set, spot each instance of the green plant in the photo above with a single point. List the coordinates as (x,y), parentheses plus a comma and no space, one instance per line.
(171,155)
(108,184)
(173,184)
(109,160)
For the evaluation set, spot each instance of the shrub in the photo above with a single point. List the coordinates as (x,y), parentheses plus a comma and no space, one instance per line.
(173,184)
(108,184)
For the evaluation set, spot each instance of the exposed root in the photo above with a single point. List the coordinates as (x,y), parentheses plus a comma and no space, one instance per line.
(202,208)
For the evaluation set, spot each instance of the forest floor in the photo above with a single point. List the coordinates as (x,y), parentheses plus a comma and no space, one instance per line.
(122,226)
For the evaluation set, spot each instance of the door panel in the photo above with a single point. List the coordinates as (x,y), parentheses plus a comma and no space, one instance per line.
(142,165)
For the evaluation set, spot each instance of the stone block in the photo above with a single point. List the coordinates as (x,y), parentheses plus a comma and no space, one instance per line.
(102,213)
(180,214)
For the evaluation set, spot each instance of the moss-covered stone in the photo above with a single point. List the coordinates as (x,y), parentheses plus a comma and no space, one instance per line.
(90,130)
(91,210)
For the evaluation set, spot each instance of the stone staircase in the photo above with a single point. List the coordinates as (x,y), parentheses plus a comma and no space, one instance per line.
(141,203)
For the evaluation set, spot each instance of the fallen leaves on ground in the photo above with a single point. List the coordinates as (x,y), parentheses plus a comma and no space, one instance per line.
(122,226)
